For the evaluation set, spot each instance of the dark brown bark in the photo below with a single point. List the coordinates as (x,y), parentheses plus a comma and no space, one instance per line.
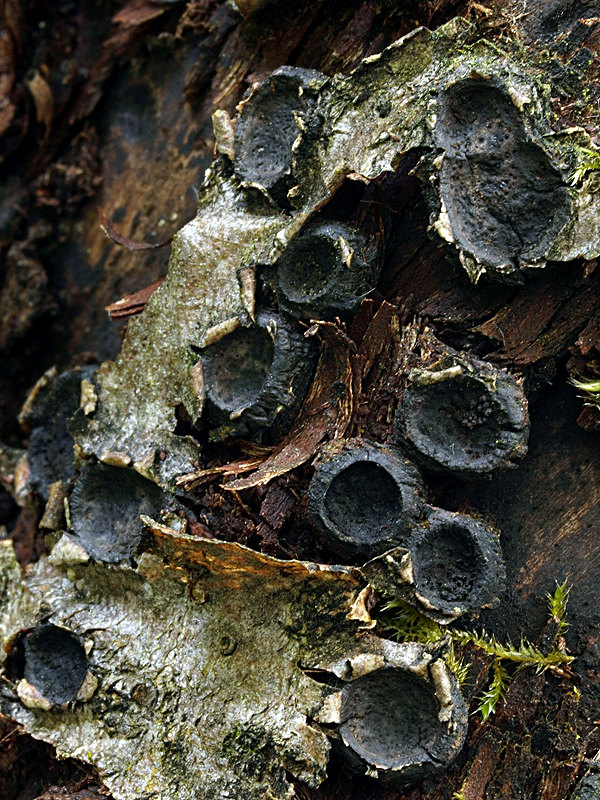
(109,104)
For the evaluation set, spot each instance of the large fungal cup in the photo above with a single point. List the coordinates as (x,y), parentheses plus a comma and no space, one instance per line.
(55,663)
(364,498)
(268,127)
(457,564)
(389,718)
(401,723)
(106,505)
(468,420)
(503,197)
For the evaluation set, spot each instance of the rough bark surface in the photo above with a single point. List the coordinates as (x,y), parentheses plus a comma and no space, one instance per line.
(110,104)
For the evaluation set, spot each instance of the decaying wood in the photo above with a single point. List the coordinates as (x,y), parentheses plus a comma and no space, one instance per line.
(125,122)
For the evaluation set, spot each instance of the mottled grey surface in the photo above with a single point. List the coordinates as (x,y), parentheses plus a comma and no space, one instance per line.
(199,656)
(361,125)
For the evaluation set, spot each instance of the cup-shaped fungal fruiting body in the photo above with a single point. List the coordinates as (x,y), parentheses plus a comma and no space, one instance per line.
(325,272)
(268,126)
(55,667)
(50,450)
(105,507)
(404,720)
(364,498)
(457,565)
(503,201)
(256,378)
(464,418)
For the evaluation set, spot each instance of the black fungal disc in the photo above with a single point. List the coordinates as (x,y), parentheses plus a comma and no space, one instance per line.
(105,510)
(588,788)
(457,563)
(256,378)
(390,723)
(467,425)
(503,197)
(50,450)
(325,272)
(267,128)
(364,498)
(55,663)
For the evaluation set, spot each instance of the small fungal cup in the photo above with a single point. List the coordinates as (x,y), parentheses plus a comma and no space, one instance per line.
(325,272)
(50,450)
(457,565)
(256,378)
(56,664)
(364,498)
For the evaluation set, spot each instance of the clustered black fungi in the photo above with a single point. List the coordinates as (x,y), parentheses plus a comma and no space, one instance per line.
(256,378)
(55,663)
(105,507)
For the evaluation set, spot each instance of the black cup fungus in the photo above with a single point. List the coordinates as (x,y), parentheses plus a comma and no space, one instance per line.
(457,564)
(504,199)
(325,272)
(364,498)
(267,128)
(395,728)
(55,663)
(50,449)
(467,420)
(256,378)
(105,510)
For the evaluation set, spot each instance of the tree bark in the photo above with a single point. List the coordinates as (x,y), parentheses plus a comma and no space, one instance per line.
(110,105)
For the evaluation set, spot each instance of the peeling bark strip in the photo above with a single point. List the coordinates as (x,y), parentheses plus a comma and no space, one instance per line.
(219,703)
(418,95)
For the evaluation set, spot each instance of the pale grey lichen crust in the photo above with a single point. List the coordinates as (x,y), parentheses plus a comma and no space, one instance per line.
(362,125)
(216,703)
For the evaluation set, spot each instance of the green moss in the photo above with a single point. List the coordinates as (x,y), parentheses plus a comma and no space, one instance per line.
(403,623)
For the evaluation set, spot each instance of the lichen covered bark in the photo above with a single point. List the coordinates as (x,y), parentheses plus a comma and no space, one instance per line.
(217,703)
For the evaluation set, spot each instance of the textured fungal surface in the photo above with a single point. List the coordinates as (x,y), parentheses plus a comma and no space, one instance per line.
(465,420)
(364,498)
(50,451)
(106,505)
(217,703)
(203,650)
(256,378)
(457,564)
(268,128)
(325,272)
(504,199)
(55,663)
(393,722)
